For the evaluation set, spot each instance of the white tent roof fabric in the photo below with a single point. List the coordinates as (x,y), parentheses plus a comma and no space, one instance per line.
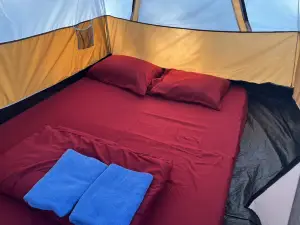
(119,8)
(275,15)
(25,18)
(264,16)
(193,14)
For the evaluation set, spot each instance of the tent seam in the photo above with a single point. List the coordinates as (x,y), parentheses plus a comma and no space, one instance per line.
(296,59)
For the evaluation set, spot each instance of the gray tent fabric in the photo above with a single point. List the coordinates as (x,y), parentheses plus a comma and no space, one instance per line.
(270,147)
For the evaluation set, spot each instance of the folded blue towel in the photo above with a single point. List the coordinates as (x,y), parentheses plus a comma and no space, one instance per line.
(64,184)
(113,198)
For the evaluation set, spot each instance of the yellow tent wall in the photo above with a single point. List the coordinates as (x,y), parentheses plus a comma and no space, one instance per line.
(33,64)
(253,57)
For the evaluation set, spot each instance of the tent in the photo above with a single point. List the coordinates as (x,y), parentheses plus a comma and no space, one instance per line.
(45,42)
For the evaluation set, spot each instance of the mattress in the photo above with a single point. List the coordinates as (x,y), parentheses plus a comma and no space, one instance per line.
(202,143)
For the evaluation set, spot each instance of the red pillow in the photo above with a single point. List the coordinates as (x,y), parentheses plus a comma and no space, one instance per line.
(125,72)
(191,87)
(24,164)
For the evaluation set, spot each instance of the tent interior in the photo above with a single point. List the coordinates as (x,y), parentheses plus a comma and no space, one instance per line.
(238,164)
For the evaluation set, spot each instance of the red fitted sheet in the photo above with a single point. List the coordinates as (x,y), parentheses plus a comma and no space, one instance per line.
(201,142)
(16,213)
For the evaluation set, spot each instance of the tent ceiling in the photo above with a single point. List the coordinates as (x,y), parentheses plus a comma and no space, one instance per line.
(22,19)
(194,14)
(26,18)
(275,15)
(119,8)
(263,16)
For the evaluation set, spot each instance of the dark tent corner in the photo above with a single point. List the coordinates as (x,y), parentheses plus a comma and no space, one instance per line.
(269,148)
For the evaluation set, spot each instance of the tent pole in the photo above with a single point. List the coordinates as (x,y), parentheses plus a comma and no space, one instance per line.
(239,8)
(135,10)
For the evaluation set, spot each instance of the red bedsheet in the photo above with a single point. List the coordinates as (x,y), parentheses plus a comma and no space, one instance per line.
(16,213)
(201,142)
